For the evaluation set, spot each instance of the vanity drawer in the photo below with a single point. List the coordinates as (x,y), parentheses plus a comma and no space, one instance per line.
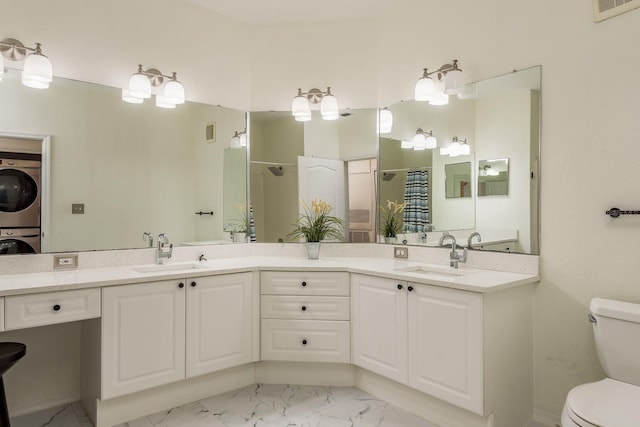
(26,311)
(304,283)
(304,308)
(306,340)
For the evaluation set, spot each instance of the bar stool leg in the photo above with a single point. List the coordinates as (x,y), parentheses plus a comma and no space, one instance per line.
(4,412)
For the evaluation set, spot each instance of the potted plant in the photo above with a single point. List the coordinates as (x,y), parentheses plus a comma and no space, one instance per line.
(315,225)
(391,220)
(241,224)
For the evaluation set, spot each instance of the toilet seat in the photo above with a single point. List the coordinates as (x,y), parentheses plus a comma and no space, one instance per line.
(608,403)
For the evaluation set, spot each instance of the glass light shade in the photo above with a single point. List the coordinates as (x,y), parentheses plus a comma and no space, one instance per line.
(174,92)
(406,144)
(303,117)
(300,106)
(329,107)
(243,139)
(386,120)
(140,86)
(453,82)
(235,141)
(440,98)
(431,142)
(454,149)
(162,102)
(465,149)
(37,72)
(419,142)
(425,89)
(127,97)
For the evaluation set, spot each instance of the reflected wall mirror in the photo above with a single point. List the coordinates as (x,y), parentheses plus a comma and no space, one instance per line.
(134,168)
(500,119)
(493,177)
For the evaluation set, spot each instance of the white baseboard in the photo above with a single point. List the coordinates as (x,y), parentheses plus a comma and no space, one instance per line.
(52,402)
(306,373)
(544,419)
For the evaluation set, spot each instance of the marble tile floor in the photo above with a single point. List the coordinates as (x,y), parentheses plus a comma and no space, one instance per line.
(262,405)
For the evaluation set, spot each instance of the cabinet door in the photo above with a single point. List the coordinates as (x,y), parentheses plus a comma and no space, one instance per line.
(445,345)
(142,336)
(379,325)
(219,322)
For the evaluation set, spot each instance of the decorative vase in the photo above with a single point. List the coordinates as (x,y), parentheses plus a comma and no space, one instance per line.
(313,250)
(240,237)
(389,239)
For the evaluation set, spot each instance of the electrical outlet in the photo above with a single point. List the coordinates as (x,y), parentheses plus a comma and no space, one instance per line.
(65,261)
(400,252)
(77,208)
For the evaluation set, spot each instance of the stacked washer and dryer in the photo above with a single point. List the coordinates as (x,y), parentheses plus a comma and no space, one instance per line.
(20,188)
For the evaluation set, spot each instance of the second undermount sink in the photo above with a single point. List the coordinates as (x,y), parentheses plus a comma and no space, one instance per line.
(167,268)
(432,270)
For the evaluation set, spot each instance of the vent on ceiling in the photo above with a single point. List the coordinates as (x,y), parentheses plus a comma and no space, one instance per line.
(605,9)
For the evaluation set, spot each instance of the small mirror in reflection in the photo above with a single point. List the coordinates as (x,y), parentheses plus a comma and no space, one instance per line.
(493,177)
(457,180)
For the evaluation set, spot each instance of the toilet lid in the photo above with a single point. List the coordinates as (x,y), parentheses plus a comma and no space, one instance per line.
(607,403)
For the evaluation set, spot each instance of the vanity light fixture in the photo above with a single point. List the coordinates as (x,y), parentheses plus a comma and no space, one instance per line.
(385,118)
(36,72)
(239,139)
(424,140)
(141,83)
(436,86)
(457,147)
(487,170)
(301,108)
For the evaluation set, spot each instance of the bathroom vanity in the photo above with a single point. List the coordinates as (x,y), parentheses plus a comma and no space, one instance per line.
(438,341)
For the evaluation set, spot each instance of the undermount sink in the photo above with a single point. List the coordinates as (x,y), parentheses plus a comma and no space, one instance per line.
(165,268)
(431,270)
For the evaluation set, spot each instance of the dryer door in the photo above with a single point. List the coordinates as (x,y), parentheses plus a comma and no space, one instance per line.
(18,190)
(15,246)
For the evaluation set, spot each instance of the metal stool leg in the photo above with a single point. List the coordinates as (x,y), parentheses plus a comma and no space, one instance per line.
(4,412)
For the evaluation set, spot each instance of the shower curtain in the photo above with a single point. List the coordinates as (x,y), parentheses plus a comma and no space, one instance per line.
(416,195)
(252,225)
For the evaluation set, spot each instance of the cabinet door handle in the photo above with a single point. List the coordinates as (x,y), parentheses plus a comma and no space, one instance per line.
(399,286)
(410,288)
(304,342)
(181,285)
(304,308)
(193,284)
(56,307)
(304,284)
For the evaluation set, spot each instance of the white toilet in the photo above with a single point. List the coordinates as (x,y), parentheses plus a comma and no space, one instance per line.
(614,401)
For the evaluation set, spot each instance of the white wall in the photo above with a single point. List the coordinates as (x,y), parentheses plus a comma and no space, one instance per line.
(589,118)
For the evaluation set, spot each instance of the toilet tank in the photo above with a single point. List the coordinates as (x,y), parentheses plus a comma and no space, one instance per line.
(617,333)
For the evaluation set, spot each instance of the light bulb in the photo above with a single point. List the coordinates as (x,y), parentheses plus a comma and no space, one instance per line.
(174,92)
(37,72)
(419,141)
(127,97)
(454,148)
(386,120)
(453,82)
(140,86)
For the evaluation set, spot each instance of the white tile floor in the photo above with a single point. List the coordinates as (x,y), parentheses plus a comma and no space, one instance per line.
(262,406)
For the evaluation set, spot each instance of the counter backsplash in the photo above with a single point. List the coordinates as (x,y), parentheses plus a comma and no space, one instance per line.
(516,263)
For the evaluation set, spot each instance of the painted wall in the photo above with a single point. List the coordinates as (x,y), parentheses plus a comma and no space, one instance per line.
(589,112)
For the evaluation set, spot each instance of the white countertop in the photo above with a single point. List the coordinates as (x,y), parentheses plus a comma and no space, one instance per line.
(469,279)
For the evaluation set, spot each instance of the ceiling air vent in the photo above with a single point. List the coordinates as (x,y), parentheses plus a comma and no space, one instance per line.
(605,9)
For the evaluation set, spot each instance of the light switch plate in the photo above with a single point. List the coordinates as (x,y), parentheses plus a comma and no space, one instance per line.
(400,252)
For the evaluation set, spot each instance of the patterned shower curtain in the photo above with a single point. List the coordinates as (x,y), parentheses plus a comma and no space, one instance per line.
(416,195)
(252,225)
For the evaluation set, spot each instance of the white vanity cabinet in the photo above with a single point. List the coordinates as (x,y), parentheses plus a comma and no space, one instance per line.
(428,337)
(305,316)
(159,332)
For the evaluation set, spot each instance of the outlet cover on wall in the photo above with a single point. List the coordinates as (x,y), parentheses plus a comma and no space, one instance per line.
(77,208)
(400,252)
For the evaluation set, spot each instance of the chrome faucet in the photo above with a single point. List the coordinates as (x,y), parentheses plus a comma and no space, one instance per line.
(202,258)
(423,237)
(474,234)
(454,256)
(147,236)
(165,249)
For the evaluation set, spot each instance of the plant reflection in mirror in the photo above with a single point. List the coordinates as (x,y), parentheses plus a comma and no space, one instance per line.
(315,224)
(391,218)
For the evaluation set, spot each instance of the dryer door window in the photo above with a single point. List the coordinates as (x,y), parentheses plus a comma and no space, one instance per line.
(13,246)
(18,190)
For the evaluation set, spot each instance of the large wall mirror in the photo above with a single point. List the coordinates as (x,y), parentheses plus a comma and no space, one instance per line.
(134,168)
(499,119)
(294,162)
